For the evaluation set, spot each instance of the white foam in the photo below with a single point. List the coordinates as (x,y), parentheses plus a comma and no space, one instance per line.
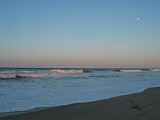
(59,71)
(29,75)
(7,75)
(26,71)
(131,70)
(155,69)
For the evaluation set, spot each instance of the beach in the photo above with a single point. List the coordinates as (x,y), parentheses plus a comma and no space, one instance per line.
(79,60)
(137,106)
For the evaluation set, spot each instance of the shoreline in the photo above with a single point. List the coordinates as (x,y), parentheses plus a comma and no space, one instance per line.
(144,105)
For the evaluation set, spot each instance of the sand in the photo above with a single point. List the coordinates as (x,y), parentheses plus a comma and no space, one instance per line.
(138,106)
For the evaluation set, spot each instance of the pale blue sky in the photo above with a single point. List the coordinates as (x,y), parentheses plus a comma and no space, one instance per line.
(79,33)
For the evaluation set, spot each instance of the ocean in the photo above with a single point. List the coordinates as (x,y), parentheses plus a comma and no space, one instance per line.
(28,88)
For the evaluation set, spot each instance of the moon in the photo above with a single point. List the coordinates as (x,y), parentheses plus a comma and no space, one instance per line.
(138,18)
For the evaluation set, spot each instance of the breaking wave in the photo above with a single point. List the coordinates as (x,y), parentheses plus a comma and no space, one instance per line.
(18,74)
(7,75)
(13,75)
(155,69)
(35,73)
(59,71)
(29,75)
(136,70)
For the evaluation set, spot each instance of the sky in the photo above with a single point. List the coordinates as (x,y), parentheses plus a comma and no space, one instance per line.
(79,33)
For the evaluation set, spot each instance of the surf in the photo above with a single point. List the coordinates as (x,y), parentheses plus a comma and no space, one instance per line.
(59,71)
(136,70)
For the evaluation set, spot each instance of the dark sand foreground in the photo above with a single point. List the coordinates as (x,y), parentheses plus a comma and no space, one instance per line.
(139,106)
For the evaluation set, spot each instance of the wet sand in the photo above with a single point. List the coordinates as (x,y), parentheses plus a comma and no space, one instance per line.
(138,106)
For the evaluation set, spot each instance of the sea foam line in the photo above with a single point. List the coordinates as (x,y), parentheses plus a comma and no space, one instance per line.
(131,70)
(66,71)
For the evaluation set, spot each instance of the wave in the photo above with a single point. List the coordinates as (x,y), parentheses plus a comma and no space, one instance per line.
(59,71)
(136,70)
(29,75)
(104,76)
(35,74)
(7,75)
(155,69)
(115,70)
(12,75)
(26,71)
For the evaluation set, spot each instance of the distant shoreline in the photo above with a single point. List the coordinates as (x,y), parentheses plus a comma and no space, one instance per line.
(144,105)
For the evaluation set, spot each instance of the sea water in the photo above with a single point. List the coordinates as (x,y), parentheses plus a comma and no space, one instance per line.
(28,88)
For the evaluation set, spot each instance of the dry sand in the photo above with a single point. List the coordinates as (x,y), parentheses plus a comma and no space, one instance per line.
(138,106)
